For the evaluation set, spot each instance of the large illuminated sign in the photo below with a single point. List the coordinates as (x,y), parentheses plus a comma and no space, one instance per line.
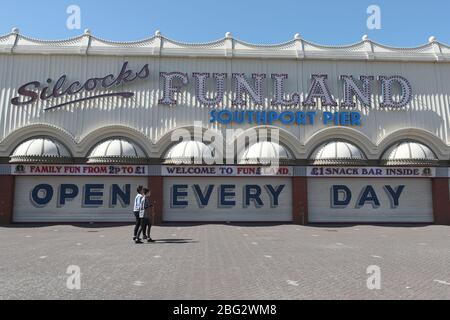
(245,90)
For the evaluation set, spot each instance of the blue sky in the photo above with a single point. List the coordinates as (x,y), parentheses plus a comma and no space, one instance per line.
(403,23)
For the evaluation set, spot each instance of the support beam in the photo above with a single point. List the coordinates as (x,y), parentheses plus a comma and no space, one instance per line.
(300,200)
(6,199)
(155,184)
(441,200)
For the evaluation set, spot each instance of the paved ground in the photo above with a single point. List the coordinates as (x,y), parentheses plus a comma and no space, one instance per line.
(226,262)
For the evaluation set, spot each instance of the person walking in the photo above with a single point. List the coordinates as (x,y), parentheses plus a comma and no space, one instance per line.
(136,208)
(151,208)
(144,217)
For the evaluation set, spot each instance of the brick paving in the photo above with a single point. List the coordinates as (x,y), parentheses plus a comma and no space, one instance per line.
(226,262)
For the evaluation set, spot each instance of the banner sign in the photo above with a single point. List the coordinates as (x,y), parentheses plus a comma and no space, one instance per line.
(381,172)
(226,171)
(78,170)
(219,171)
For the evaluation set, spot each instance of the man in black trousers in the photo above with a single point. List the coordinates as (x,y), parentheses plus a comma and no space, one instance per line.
(145,216)
(136,207)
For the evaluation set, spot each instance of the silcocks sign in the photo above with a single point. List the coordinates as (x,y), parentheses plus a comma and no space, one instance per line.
(34,91)
(245,89)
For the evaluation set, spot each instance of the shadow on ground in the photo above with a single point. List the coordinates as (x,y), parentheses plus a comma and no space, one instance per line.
(94,226)
(174,241)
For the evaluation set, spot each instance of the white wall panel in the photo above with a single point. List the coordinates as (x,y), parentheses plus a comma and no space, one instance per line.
(429,109)
(77,209)
(415,203)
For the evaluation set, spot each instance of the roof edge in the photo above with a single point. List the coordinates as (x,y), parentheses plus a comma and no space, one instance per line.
(228,47)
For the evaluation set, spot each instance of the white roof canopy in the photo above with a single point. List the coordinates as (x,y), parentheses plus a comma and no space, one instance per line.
(189,152)
(409,153)
(265,152)
(159,45)
(41,150)
(339,153)
(116,150)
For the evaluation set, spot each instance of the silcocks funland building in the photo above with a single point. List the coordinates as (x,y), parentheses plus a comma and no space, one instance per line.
(362,130)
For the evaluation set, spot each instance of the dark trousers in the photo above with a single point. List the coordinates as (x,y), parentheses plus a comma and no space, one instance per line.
(137,224)
(144,227)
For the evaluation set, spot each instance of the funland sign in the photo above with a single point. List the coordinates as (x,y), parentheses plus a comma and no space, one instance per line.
(245,90)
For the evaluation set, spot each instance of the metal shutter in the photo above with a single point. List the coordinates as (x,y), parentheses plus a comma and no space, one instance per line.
(76,209)
(196,210)
(415,203)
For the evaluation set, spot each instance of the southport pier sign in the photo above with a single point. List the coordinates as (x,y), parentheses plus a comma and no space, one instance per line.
(245,88)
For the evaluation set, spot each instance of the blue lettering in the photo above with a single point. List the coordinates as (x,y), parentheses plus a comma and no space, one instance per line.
(67,192)
(287,117)
(336,201)
(239,117)
(225,116)
(179,191)
(92,195)
(203,198)
(253,192)
(394,195)
(345,118)
(225,194)
(327,117)
(213,116)
(311,116)
(124,195)
(355,119)
(38,200)
(301,118)
(274,194)
(272,117)
(368,195)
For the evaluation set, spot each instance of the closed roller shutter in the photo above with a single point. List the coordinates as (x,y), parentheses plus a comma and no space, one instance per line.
(218,199)
(75,199)
(370,200)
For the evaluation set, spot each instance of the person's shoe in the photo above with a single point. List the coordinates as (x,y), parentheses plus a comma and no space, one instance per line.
(138,241)
(150,240)
(134,238)
(144,237)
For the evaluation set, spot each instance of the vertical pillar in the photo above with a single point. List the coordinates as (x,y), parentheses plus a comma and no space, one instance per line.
(441,200)
(6,199)
(300,200)
(156,187)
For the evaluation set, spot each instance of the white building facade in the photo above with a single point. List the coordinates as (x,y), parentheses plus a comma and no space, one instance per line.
(361,133)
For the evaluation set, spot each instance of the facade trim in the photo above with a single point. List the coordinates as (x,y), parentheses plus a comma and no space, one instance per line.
(228,47)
